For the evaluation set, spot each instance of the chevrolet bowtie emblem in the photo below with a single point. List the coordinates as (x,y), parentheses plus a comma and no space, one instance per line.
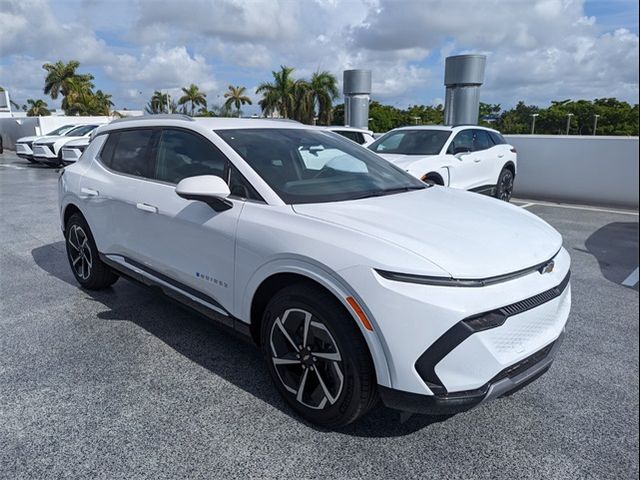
(548,268)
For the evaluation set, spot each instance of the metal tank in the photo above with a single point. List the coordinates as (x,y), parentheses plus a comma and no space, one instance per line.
(463,76)
(357,91)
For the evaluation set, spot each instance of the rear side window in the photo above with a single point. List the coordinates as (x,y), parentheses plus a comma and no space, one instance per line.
(463,142)
(497,138)
(481,140)
(355,136)
(182,154)
(127,152)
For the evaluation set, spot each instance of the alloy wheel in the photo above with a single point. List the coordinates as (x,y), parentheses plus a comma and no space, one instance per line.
(306,359)
(80,252)
(506,186)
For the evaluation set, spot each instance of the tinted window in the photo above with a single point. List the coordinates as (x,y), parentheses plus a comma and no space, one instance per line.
(355,136)
(285,158)
(412,142)
(81,130)
(239,186)
(463,141)
(61,130)
(182,154)
(130,152)
(481,140)
(497,138)
(106,155)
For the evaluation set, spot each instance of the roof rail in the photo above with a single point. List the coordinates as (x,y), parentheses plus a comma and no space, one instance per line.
(157,116)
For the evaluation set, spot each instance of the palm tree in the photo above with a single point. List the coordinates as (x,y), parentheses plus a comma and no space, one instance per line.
(303,103)
(323,91)
(38,108)
(158,102)
(236,97)
(75,88)
(104,103)
(193,95)
(59,76)
(278,95)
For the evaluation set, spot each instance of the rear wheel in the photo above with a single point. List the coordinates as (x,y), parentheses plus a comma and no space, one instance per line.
(504,188)
(316,356)
(89,270)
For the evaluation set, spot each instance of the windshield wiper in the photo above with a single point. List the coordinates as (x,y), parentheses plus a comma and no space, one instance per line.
(388,191)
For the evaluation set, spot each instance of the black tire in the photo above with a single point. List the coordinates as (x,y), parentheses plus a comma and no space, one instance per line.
(504,187)
(348,398)
(90,272)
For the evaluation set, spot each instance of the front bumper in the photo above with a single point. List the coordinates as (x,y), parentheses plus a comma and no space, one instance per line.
(71,154)
(505,383)
(23,150)
(44,154)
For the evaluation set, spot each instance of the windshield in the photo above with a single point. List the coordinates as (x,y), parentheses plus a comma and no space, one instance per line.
(312,166)
(61,130)
(81,130)
(411,142)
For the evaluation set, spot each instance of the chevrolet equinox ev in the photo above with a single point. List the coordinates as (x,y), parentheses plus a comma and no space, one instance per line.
(358,281)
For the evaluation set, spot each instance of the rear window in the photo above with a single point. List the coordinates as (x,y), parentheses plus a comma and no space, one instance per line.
(351,135)
(127,152)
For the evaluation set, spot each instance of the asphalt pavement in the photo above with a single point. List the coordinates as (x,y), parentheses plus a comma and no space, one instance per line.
(126,384)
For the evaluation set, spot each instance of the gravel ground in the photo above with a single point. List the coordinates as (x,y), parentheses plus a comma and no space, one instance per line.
(126,384)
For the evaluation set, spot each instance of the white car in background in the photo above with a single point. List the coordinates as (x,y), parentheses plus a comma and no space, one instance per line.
(359,135)
(466,157)
(49,150)
(24,144)
(72,151)
(357,280)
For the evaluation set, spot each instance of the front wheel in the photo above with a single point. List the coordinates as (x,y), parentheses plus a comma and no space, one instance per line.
(89,270)
(504,188)
(317,357)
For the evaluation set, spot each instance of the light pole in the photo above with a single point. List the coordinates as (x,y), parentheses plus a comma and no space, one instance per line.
(569,115)
(533,122)
(595,123)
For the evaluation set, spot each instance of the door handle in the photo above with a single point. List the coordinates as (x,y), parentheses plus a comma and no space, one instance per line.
(477,160)
(90,192)
(500,155)
(146,208)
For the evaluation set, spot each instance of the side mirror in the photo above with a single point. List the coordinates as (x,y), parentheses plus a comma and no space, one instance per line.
(209,189)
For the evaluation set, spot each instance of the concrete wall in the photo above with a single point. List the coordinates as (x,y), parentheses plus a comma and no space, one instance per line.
(12,128)
(592,170)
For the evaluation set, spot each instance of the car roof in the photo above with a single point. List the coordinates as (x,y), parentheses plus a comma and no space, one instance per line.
(348,129)
(452,128)
(216,123)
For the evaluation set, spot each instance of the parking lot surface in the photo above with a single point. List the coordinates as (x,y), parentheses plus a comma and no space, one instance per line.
(124,383)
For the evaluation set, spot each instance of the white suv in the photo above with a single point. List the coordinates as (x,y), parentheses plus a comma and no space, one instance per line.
(357,280)
(48,150)
(467,157)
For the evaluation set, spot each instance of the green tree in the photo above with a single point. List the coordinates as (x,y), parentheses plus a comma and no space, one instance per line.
(158,102)
(62,78)
(279,95)
(323,90)
(37,108)
(236,97)
(193,95)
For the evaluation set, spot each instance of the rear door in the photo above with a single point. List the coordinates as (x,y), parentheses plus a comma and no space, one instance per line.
(464,167)
(485,158)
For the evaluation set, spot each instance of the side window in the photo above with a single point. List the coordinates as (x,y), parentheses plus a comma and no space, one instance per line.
(481,140)
(497,138)
(182,154)
(354,136)
(130,152)
(463,142)
(240,187)
(106,154)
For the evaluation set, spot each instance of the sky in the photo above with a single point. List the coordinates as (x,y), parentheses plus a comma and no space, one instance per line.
(537,50)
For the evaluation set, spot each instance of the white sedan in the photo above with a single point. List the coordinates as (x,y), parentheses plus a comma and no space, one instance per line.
(466,157)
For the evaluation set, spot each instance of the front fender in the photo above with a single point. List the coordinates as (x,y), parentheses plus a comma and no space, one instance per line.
(334,283)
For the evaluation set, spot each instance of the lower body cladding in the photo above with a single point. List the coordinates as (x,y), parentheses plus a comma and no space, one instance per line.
(449,349)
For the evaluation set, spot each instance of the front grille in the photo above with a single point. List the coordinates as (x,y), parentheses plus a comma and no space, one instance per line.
(496,318)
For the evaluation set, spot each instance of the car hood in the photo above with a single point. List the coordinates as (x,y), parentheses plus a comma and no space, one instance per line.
(468,235)
(56,138)
(32,138)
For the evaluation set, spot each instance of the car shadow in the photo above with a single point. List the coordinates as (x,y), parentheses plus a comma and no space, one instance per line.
(615,246)
(222,352)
